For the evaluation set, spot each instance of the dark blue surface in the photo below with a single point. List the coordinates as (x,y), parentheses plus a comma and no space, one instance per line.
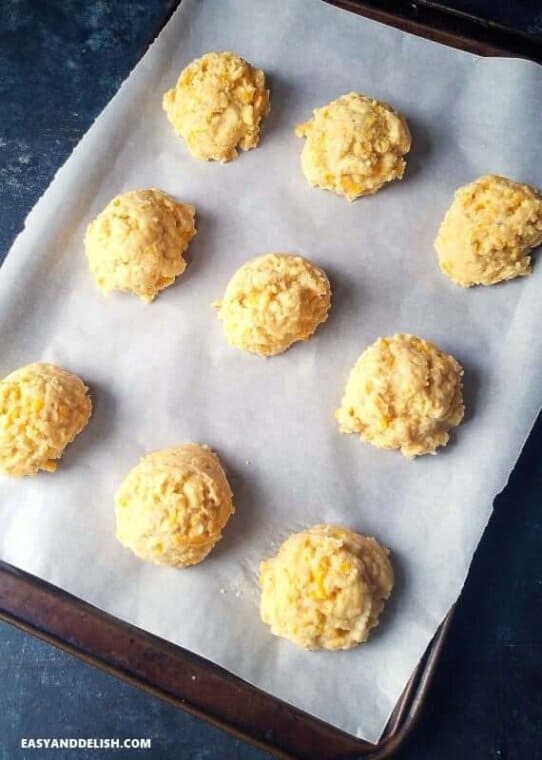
(60,62)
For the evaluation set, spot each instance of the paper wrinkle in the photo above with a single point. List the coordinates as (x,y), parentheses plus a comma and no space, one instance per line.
(163,374)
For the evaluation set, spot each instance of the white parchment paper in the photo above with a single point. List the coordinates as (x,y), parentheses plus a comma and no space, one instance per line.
(163,374)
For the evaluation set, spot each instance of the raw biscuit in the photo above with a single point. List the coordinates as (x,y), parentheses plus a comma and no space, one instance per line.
(325,588)
(42,409)
(403,393)
(217,106)
(173,505)
(136,244)
(354,146)
(489,230)
(273,301)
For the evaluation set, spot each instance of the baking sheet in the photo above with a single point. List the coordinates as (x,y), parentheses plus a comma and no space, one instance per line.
(163,374)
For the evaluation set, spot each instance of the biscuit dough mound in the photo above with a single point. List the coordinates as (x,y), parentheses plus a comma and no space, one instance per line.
(136,244)
(217,106)
(325,588)
(489,230)
(273,301)
(354,146)
(403,393)
(42,409)
(173,505)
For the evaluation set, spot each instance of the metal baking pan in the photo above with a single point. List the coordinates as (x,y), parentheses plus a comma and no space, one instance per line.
(187,680)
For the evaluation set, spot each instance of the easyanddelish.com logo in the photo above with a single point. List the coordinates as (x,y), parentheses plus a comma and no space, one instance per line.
(88,743)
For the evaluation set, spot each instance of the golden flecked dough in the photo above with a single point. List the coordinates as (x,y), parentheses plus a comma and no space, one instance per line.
(403,393)
(217,106)
(489,230)
(354,146)
(172,506)
(136,244)
(273,301)
(42,409)
(325,588)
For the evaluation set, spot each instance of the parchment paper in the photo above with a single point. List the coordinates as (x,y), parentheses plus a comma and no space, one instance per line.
(163,374)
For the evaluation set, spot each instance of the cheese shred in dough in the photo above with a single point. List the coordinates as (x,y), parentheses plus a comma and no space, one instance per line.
(489,231)
(42,409)
(172,507)
(403,393)
(325,588)
(136,244)
(217,106)
(354,145)
(273,301)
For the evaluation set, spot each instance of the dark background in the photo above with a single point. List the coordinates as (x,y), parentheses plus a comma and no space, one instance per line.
(60,63)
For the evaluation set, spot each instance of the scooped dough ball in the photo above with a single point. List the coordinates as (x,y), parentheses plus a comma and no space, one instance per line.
(273,301)
(354,146)
(173,505)
(489,230)
(136,244)
(326,587)
(403,393)
(217,106)
(42,409)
